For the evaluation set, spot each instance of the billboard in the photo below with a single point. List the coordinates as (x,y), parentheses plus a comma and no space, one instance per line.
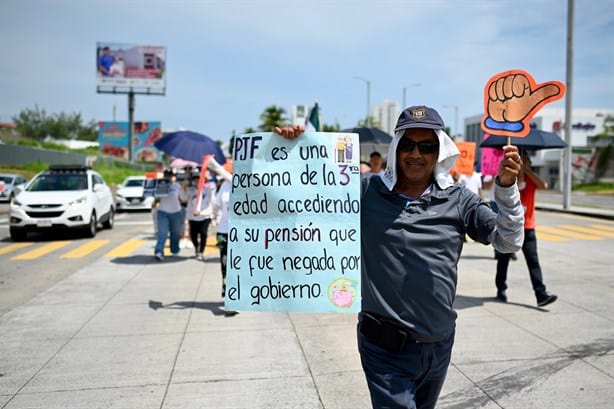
(113,140)
(125,66)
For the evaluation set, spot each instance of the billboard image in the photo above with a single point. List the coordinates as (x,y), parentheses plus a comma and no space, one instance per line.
(113,140)
(131,66)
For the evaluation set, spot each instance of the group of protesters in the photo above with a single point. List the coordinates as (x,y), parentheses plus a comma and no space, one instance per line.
(182,199)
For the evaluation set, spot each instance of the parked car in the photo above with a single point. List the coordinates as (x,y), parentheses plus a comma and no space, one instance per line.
(10,184)
(62,197)
(129,196)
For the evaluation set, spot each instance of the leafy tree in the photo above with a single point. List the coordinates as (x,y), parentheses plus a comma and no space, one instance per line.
(271,117)
(370,122)
(250,130)
(37,124)
(32,122)
(331,128)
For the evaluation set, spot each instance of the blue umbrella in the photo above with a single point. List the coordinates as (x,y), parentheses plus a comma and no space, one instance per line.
(190,145)
(535,140)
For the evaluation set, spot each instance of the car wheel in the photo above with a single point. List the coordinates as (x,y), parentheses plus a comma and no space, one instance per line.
(92,227)
(108,224)
(18,234)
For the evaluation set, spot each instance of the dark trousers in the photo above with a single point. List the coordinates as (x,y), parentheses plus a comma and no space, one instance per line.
(411,379)
(222,243)
(198,233)
(529,249)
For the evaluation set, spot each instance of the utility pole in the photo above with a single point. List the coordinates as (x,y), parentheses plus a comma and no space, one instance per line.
(415,84)
(455,117)
(368,123)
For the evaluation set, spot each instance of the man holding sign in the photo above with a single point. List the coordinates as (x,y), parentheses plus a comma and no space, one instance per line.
(413,221)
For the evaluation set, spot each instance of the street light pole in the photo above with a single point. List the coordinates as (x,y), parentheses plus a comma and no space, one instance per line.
(568,108)
(415,84)
(368,123)
(455,117)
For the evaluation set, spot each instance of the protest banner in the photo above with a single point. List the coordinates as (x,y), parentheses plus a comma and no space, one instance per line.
(491,158)
(466,160)
(294,237)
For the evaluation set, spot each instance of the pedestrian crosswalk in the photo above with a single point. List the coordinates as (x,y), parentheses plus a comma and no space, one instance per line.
(71,249)
(66,249)
(567,232)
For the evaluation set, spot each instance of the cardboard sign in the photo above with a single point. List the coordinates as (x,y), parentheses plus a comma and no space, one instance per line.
(491,158)
(294,237)
(201,181)
(466,160)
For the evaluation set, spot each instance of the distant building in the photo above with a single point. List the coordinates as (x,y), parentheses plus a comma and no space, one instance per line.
(299,114)
(586,123)
(386,115)
(7,125)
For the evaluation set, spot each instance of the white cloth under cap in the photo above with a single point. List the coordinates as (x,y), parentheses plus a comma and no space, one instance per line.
(448,153)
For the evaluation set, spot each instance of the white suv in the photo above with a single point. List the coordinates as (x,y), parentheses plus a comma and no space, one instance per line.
(64,196)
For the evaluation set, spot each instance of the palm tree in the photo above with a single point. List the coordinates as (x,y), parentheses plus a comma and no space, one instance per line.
(271,117)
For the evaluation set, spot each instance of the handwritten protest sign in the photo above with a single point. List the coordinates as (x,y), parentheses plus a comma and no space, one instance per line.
(294,237)
(465,163)
(491,158)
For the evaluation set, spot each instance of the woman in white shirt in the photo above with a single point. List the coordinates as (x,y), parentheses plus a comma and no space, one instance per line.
(199,218)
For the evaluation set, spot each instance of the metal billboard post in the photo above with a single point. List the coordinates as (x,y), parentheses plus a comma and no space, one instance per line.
(130,123)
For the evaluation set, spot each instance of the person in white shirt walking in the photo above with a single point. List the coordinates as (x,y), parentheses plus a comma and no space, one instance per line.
(199,218)
(168,216)
(472,182)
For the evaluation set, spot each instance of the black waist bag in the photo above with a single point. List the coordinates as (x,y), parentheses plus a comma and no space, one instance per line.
(385,335)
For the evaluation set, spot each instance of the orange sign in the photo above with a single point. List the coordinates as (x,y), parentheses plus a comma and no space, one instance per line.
(201,181)
(466,160)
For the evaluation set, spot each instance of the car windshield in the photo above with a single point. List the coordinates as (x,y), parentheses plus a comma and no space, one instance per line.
(6,179)
(51,181)
(134,183)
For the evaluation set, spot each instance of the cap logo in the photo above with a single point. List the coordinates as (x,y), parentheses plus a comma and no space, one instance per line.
(419,113)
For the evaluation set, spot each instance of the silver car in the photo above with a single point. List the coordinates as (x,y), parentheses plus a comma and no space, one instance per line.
(10,185)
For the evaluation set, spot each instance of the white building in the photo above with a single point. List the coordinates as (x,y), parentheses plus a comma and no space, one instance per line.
(386,115)
(299,114)
(585,123)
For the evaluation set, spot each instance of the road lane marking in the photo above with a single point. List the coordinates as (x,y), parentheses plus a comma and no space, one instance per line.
(85,249)
(211,246)
(587,230)
(41,251)
(602,227)
(566,233)
(549,237)
(125,249)
(13,247)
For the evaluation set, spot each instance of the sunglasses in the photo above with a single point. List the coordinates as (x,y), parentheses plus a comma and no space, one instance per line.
(407,145)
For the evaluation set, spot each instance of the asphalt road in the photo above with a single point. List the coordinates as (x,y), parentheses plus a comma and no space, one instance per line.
(27,268)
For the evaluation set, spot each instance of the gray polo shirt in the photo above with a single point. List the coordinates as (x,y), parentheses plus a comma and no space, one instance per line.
(410,250)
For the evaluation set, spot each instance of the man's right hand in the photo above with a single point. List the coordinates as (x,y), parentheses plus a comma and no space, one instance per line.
(290,132)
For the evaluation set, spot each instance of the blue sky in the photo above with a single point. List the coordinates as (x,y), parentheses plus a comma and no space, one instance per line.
(229,60)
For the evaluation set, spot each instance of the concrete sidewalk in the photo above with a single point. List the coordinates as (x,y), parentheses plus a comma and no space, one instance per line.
(593,205)
(136,333)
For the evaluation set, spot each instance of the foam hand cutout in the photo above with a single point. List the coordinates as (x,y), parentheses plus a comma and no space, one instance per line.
(512,98)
